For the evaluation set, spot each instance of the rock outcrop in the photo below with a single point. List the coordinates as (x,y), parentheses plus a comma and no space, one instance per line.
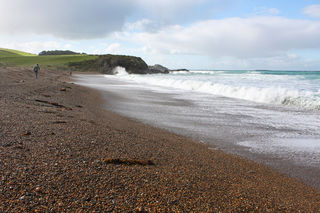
(179,70)
(107,63)
(157,68)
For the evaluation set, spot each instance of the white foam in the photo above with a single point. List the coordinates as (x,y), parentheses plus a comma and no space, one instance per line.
(265,94)
(119,71)
(284,133)
(205,72)
(301,150)
(179,72)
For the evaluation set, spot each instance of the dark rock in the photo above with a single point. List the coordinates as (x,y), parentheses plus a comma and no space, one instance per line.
(59,122)
(107,63)
(157,68)
(26,133)
(128,162)
(178,70)
(132,64)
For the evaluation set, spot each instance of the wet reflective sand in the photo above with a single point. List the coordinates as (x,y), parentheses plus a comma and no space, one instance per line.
(287,139)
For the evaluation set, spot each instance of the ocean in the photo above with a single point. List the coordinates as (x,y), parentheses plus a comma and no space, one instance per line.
(271,117)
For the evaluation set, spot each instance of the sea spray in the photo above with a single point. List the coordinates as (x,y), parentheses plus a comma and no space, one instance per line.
(299,89)
(119,71)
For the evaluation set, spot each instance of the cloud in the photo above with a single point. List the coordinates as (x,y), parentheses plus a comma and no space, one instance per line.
(252,37)
(114,48)
(168,11)
(260,11)
(312,11)
(83,19)
(142,25)
(35,46)
(72,19)
(274,11)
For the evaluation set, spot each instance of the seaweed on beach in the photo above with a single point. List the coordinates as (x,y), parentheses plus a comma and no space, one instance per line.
(53,104)
(129,162)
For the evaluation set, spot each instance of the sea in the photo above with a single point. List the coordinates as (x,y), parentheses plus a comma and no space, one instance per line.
(268,116)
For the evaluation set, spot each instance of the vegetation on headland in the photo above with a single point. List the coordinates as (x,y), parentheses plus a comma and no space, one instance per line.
(17,58)
(60,52)
(79,62)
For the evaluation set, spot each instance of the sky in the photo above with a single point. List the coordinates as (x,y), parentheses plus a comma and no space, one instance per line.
(193,34)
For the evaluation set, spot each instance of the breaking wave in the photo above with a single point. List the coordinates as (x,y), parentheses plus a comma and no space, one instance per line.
(271,94)
(119,71)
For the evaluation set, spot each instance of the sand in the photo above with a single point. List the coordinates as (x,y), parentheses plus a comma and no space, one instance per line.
(60,151)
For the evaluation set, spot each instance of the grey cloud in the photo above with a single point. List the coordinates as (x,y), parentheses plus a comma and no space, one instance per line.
(70,19)
(235,37)
(169,11)
(85,19)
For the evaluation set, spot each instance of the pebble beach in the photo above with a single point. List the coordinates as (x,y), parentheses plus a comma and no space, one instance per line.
(62,151)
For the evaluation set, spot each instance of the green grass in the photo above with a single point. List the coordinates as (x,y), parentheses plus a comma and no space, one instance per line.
(22,59)
(9,53)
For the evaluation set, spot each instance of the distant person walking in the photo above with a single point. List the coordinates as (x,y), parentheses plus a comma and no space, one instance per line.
(36,69)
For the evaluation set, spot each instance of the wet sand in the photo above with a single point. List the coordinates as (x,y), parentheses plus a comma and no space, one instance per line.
(231,125)
(61,151)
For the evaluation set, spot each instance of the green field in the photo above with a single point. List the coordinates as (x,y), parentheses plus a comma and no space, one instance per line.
(12,53)
(18,58)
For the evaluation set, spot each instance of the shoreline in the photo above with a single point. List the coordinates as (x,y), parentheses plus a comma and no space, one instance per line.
(55,159)
(216,121)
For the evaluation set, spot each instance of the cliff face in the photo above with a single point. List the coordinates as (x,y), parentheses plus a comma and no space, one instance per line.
(132,64)
(106,63)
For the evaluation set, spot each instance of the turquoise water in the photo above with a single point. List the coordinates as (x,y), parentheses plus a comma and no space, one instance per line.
(311,75)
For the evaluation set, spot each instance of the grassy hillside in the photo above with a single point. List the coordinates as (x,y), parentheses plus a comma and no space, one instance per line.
(18,58)
(80,62)
(12,53)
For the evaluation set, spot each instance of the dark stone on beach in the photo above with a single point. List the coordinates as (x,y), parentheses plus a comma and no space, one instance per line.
(128,162)
(59,122)
(26,133)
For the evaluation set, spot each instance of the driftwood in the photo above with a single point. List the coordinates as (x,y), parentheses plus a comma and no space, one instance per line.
(53,104)
(128,162)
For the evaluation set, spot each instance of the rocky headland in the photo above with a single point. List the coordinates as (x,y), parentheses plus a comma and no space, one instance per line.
(106,64)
